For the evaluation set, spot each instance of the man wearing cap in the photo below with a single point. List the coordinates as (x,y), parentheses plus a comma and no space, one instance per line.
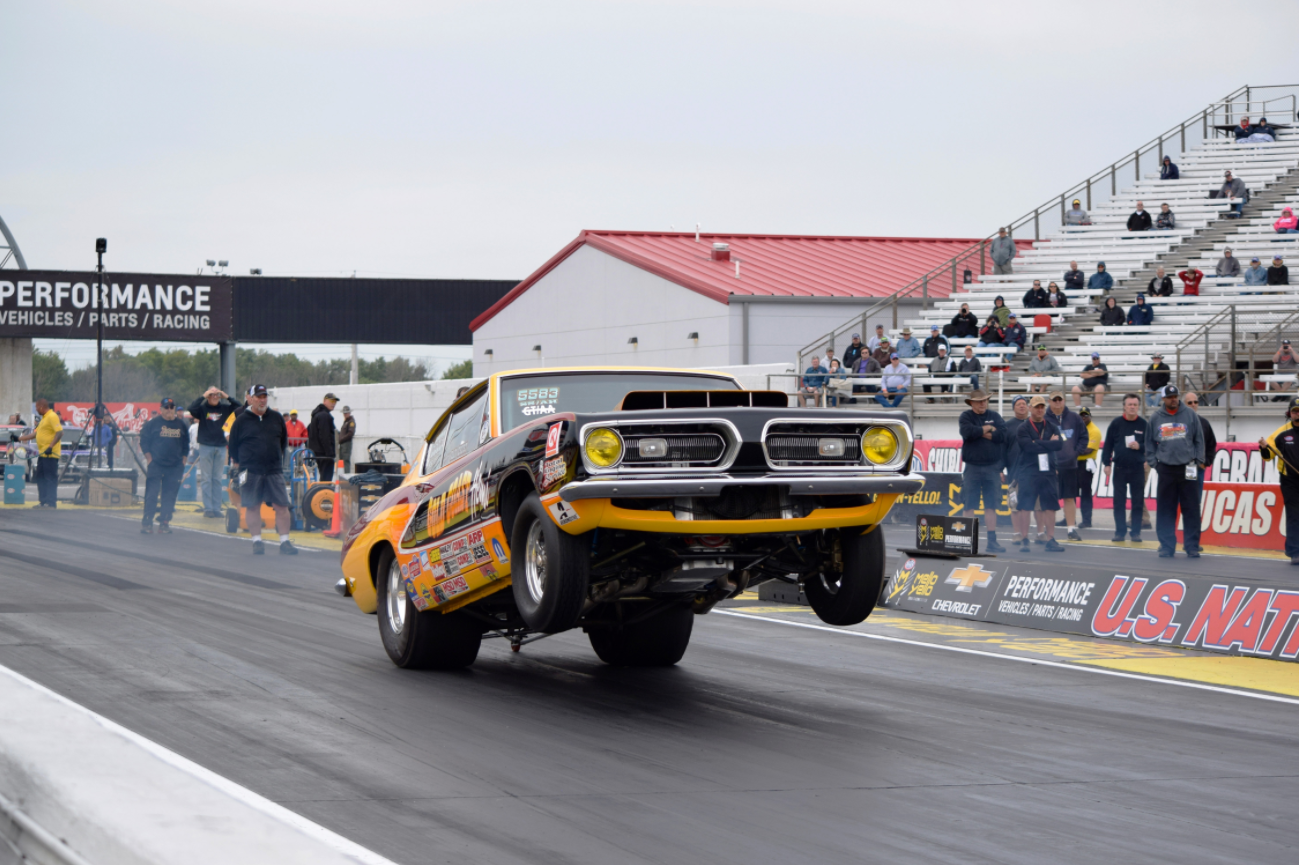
(1283,446)
(257,441)
(908,346)
(983,448)
(970,366)
(1232,187)
(1076,215)
(1140,219)
(1003,253)
(1086,473)
(1155,377)
(345,436)
(1228,265)
(1124,458)
(1278,273)
(1169,171)
(1042,365)
(883,353)
(1141,314)
(1016,336)
(940,366)
(1175,450)
(1095,376)
(934,341)
(894,384)
(853,352)
(1073,435)
(297,430)
(1255,274)
(322,437)
(1040,443)
(164,441)
(873,344)
(1018,519)
(212,410)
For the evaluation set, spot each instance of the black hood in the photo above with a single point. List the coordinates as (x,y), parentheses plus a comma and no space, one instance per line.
(319,409)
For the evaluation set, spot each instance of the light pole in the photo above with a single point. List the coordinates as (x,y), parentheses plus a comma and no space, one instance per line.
(101,246)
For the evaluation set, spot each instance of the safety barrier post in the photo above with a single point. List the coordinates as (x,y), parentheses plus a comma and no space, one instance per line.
(336,522)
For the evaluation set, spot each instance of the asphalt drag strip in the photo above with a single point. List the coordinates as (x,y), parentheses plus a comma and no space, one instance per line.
(768,743)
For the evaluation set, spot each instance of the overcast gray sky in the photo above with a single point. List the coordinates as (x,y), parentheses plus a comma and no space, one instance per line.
(474,139)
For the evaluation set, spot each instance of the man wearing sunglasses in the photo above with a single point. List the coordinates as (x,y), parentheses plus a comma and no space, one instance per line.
(1283,446)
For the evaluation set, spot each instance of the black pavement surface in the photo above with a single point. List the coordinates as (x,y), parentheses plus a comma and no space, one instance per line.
(767,744)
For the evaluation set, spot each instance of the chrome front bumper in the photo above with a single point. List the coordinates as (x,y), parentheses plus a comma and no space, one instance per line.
(799,485)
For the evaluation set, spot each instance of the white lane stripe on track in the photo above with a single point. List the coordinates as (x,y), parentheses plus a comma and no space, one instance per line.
(241,794)
(1257,695)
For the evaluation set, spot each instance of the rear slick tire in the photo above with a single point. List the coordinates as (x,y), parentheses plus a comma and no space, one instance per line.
(659,641)
(550,570)
(847,598)
(415,640)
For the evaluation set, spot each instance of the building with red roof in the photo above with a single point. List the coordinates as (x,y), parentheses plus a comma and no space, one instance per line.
(698,300)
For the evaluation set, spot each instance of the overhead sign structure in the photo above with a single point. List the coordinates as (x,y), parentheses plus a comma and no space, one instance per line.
(62,304)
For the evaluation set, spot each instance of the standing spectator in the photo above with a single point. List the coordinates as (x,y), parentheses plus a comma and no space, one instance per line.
(964,324)
(1278,273)
(1287,224)
(1165,221)
(935,341)
(1228,265)
(1285,360)
(829,358)
(1000,310)
(1055,297)
(1255,275)
(257,439)
(908,346)
(852,354)
(895,383)
(322,437)
(836,374)
(866,366)
(1100,280)
(1190,281)
(296,429)
(1086,475)
(1039,441)
(1283,446)
(1234,187)
(1076,215)
(941,365)
(1124,458)
(1095,376)
(1210,437)
(970,366)
(1169,170)
(883,353)
(1018,519)
(164,441)
(1016,336)
(873,343)
(48,434)
(345,436)
(1074,279)
(1003,253)
(1073,431)
(1111,315)
(1156,378)
(1141,314)
(1043,365)
(983,440)
(813,382)
(1161,285)
(1035,297)
(992,335)
(1175,450)
(1139,220)
(212,411)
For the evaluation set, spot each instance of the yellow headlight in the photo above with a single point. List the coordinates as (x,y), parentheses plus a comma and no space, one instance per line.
(604,447)
(879,444)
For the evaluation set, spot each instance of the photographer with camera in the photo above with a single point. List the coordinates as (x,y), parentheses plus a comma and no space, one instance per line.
(49,435)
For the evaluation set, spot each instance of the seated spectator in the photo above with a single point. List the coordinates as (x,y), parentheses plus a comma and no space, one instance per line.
(1095,376)
(908,346)
(1141,313)
(1255,274)
(874,342)
(1100,280)
(1261,132)
(1165,220)
(895,384)
(1055,297)
(813,381)
(1190,280)
(853,353)
(970,366)
(1156,376)
(1076,215)
(1233,187)
(1043,365)
(935,342)
(1288,223)
(1161,285)
(1139,220)
(866,365)
(1111,315)
(882,353)
(1228,265)
(1000,310)
(992,334)
(964,323)
(1035,297)
(1244,130)
(1169,170)
(1074,279)
(836,373)
(1278,273)
(1016,336)
(942,364)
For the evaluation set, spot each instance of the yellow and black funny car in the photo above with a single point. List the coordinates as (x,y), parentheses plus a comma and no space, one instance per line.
(624,502)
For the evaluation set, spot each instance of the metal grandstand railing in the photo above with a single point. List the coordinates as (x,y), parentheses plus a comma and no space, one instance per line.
(1216,117)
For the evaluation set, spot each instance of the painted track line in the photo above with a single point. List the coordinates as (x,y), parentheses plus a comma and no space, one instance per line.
(1200,686)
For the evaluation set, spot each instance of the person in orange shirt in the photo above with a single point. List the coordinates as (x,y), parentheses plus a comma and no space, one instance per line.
(297,431)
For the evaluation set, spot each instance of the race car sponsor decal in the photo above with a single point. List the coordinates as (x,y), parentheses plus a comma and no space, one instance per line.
(552,439)
(553,471)
(499,549)
(449,589)
(462,499)
(490,572)
(535,401)
(563,512)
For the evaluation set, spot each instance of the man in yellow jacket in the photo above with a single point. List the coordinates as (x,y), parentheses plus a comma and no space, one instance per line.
(1283,446)
(1085,474)
(49,436)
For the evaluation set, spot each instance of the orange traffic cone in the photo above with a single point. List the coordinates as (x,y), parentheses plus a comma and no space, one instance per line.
(336,524)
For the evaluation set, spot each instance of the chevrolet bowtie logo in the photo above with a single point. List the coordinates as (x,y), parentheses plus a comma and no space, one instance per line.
(958,527)
(965,579)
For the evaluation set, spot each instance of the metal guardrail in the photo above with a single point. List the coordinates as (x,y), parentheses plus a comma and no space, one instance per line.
(31,842)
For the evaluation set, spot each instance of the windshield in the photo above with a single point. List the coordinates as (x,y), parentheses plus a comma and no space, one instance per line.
(528,396)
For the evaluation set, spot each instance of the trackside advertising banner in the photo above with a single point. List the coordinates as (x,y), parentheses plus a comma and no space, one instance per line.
(1187,612)
(129,416)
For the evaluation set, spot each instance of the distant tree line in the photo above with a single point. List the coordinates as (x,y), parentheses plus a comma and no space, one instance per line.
(183,375)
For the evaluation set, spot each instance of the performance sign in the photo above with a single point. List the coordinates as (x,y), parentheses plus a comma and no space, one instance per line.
(62,304)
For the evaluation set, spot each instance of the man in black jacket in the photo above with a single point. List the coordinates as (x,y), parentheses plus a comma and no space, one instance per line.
(1140,220)
(1124,458)
(1074,279)
(1192,399)
(1039,489)
(1161,285)
(983,445)
(257,441)
(851,355)
(210,412)
(932,344)
(1156,376)
(1035,297)
(1073,433)
(164,440)
(322,438)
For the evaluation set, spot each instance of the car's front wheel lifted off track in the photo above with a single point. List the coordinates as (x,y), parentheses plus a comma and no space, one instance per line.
(428,640)
(550,570)
(845,591)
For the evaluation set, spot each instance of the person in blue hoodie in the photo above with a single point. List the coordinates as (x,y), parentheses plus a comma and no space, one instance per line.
(1100,280)
(1169,171)
(1141,313)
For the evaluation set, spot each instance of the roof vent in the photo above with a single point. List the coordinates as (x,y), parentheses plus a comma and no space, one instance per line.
(721,252)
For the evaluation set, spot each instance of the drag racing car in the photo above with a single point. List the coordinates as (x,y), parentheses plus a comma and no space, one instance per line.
(624,502)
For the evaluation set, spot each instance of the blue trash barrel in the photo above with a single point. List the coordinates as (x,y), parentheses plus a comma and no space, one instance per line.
(16,484)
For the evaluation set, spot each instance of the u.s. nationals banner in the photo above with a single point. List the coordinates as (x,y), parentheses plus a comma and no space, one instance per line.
(65,304)
(129,416)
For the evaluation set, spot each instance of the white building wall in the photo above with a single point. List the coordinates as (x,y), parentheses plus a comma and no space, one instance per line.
(778,331)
